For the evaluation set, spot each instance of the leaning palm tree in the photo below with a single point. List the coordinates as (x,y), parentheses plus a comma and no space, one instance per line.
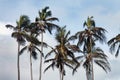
(97,56)
(87,38)
(113,43)
(64,52)
(20,35)
(44,22)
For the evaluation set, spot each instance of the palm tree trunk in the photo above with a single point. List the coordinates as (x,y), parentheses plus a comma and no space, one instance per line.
(31,65)
(18,62)
(40,77)
(60,73)
(92,71)
(87,75)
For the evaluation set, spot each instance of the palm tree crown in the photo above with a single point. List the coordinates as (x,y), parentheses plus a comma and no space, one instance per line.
(45,19)
(64,52)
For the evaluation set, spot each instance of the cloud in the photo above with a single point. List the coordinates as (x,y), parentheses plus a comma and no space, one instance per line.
(3,29)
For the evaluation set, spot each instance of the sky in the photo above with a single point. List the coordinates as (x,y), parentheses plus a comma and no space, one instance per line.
(71,13)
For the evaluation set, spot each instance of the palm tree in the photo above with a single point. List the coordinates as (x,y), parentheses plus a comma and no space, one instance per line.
(115,41)
(44,22)
(64,52)
(87,39)
(20,35)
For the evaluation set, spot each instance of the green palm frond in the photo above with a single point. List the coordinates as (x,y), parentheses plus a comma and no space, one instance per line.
(89,23)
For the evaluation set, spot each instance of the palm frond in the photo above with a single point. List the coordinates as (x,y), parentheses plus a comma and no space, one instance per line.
(49,53)
(117,52)
(52,19)
(10,26)
(39,51)
(104,65)
(49,60)
(19,37)
(34,54)
(51,65)
(22,50)
(51,26)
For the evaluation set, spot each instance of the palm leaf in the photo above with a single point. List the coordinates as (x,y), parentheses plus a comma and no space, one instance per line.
(51,26)
(116,55)
(104,65)
(10,26)
(49,53)
(39,51)
(22,50)
(52,19)
(34,54)
(51,65)
(49,60)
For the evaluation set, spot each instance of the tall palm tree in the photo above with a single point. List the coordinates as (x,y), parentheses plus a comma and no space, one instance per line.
(44,22)
(64,52)
(87,38)
(115,41)
(20,35)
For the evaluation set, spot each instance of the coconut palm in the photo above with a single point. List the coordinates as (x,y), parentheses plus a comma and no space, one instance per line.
(115,41)
(44,22)
(87,39)
(64,52)
(20,35)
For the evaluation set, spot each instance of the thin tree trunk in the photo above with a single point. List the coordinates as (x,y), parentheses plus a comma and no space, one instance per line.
(31,65)
(87,75)
(40,77)
(92,71)
(60,73)
(18,62)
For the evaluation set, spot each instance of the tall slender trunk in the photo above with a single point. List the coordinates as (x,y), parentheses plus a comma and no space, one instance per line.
(60,73)
(31,73)
(40,75)
(18,62)
(92,70)
(87,75)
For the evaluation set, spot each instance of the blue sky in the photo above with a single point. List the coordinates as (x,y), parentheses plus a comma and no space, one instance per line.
(71,13)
